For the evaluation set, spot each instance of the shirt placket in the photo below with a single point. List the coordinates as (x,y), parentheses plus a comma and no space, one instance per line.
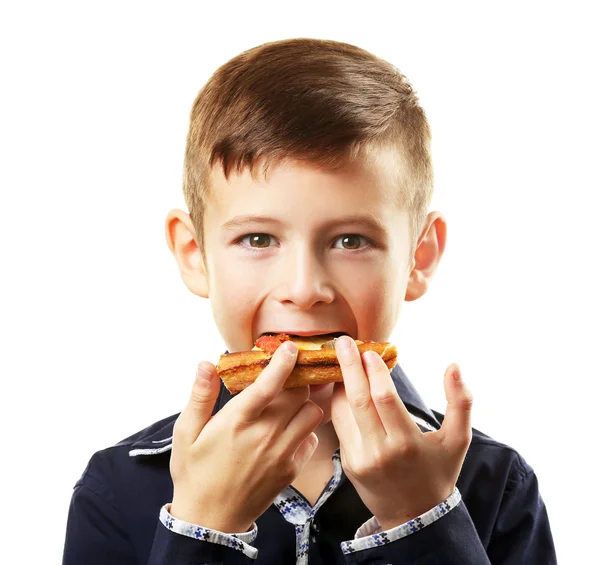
(296,510)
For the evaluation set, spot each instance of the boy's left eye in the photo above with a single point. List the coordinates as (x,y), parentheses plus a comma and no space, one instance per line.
(257,240)
(351,241)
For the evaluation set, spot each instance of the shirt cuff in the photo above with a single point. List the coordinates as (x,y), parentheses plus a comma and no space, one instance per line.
(370,533)
(236,541)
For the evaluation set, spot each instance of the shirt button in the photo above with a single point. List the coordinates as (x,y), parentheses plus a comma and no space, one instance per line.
(315,527)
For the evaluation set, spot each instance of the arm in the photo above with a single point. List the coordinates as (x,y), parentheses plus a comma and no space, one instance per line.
(183,540)
(96,535)
(521,534)
(451,540)
(522,530)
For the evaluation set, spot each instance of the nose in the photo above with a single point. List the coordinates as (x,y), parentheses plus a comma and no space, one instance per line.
(304,280)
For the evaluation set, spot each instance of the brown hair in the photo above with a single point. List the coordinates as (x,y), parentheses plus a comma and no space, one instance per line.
(318,101)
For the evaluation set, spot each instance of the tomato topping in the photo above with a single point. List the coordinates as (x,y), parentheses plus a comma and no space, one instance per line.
(270,343)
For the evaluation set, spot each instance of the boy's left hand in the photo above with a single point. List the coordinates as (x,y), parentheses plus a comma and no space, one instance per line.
(398,471)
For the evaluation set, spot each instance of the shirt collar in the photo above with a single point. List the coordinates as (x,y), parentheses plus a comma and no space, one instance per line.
(158,438)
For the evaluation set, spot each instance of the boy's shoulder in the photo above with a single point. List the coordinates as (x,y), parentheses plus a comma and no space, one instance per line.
(155,438)
(116,464)
(485,449)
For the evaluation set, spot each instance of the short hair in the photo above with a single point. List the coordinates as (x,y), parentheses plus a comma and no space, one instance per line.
(314,101)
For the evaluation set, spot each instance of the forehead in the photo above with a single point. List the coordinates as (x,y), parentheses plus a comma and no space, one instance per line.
(305,194)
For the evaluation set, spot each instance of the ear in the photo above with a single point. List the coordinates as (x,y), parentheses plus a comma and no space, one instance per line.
(183,244)
(429,251)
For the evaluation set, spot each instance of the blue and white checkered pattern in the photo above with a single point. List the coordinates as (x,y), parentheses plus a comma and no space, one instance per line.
(236,541)
(370,534)
(296,510)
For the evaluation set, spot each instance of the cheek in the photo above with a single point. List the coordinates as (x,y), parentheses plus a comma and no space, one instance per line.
(375,305)
(233,299)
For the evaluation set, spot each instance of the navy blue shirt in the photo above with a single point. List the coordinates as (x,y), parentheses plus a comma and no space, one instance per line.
(117,514)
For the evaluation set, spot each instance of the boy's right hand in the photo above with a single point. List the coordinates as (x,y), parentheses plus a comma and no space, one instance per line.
(228,469)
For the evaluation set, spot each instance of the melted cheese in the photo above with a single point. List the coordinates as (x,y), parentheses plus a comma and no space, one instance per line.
(312,342)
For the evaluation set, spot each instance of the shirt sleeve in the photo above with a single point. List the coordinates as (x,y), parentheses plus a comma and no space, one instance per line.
(97,534)
(240,542)
(370,533)
(521,534)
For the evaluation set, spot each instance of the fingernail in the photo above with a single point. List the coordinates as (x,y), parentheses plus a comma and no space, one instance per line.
(456,373)
(370,358)
(290,348)
(202,374)
(344,342)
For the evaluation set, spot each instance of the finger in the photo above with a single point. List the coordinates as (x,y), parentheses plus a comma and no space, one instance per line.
(456,428)
(305,452)
(357,389)
(343,420)
(270,381)
(284,407)
(199,408)
(391,410)
(305,421)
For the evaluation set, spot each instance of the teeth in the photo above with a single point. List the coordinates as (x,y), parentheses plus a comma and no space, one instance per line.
(335,334)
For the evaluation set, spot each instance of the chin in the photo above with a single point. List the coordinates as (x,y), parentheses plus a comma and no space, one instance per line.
(322,398)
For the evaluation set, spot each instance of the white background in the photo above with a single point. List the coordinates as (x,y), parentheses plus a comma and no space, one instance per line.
(100,338)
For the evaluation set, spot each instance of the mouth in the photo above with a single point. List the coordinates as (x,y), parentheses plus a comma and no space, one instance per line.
(299,333)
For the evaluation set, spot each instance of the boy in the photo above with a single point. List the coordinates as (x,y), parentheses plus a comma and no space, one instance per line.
(308,178)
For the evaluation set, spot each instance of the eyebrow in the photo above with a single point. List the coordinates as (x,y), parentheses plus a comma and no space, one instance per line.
(241,221)
(368,221)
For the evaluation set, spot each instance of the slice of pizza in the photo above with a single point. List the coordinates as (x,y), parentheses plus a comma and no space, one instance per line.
(316,364)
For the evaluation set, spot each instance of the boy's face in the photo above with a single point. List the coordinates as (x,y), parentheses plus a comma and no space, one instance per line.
(305,252)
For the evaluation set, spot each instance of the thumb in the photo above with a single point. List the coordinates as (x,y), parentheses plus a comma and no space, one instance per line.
(456,428)
(199,408)
(306,450)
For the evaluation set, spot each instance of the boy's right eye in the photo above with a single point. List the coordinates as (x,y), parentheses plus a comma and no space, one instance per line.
(257,240)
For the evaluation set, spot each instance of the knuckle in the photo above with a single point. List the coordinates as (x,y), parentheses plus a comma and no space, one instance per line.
(239,424)
(384,398)
(201,394)
(263,395)
(407,449)
(467,403)
(353,362)
(360,470)
(178,428)
(380,459)
(360,401)
(289,471)
(267,440)
(464,441)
